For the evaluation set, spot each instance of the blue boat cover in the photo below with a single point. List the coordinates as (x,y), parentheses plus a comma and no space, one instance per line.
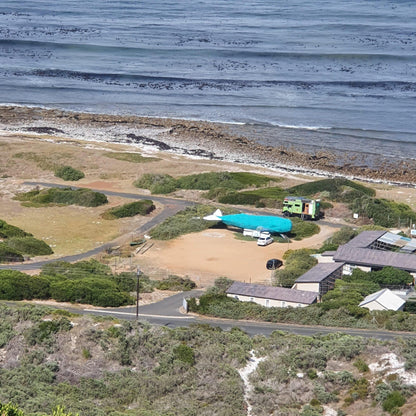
(263,222)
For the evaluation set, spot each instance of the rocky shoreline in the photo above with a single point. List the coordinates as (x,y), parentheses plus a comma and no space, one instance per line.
(200,139)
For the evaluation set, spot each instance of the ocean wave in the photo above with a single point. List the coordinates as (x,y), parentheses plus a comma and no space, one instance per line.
(148,80)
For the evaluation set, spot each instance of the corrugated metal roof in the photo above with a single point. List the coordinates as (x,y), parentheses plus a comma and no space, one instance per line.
(395,239)
(375,258)
(319,272)
(386,298)
(272,292)
(365,239)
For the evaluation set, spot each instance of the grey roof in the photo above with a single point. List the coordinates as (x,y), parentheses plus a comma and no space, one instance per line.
(272,292)
(319,272)
(365,239)
(386,298)
(375,258)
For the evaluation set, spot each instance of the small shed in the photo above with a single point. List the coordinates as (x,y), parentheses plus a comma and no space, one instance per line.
(271,295)
(383,300)
(320,278)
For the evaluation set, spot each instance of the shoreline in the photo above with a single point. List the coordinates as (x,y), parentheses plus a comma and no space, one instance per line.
(201,139)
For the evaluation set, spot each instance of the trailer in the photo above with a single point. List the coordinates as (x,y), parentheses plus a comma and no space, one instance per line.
(307,209)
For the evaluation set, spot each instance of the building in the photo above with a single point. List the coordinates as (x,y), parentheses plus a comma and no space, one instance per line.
(383,300)
(320,278)
(271,295)
(370,251)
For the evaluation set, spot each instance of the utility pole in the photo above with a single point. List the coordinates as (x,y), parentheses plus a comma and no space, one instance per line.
(138,273)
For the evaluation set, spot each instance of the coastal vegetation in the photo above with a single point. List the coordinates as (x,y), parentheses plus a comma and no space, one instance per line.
(68,173)
(235,188)
(189,220)
(163,183)
(142,207)
(62,196)
(98,366)
(130,157)
(87,282)
(297,262)
(16,243)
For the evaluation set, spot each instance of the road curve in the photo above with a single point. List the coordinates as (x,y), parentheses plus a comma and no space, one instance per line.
(171,207)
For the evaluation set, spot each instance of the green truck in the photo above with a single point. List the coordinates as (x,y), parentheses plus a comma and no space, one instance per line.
(307,209)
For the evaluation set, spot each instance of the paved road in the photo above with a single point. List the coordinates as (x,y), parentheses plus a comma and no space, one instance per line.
(167,312)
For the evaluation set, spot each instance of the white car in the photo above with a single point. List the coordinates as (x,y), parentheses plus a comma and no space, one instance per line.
(264,241)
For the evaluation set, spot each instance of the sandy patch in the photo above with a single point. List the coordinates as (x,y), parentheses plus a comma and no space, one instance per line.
(210,254)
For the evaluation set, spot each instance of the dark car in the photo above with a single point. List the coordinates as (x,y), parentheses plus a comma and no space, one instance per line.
(273,264)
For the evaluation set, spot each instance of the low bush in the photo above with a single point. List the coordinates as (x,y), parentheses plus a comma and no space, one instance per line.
(209,181)
(383,212)
(8,231)
(91,290)
(302,229)
(338,189)
(65,196)
(130,157)
(297,262)
(9,255)
(43,330)
(143,207)
(176,283)
(29,245)
(393,401)
(15,285)
(184,353)
(156,183)
(189,220)
(68,173)
(239,198)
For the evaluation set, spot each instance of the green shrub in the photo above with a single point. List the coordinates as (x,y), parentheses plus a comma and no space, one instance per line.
(189,220)
(143,207)
(297,262)
(394,400)
(383,212)
(8,254)
(156,183)
(68,173)
(184,353)
(130,157)
(15,285)
(8,231)
(342,190)
(29,245)
(340,237)
(206,181)
(302,229)
(209,181)
(175,283)
(44,330)
(66,196)
(361,365)
(90,290)
(239,198)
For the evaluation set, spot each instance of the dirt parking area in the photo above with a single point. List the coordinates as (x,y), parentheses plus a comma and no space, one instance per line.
(210,254)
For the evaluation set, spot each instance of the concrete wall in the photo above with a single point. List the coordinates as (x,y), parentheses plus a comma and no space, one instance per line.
(268,302)
(309,287)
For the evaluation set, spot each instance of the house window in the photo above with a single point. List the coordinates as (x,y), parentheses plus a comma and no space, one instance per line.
(251,299)
(283,304)
(267,302)
(236,297)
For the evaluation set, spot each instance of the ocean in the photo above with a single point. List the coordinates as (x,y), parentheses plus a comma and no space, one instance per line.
(322,74)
